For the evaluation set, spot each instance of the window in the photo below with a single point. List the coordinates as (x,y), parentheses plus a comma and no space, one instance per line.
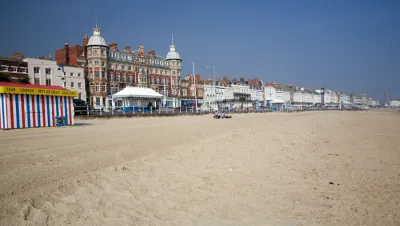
(117,77)
(102,63)
(80,96)
(102,52)
(72,84)
(79,74)
(48,81)
(96,63)
(123,67)
(129,68)
(97,88)
(114,90)
(79,85)
(65,84)
(156,80)
(3,68)
(96,52)
(98,101)
(97,74)
(128,78)
(36,70)
(173,72)
(82,53)
(12,68)
(71,74)
(102,74)
(37,81)
(48,71)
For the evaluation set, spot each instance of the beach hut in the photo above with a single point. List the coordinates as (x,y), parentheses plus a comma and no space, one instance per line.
(28,106)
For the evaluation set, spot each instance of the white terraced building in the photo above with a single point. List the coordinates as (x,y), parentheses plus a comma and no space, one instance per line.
(230,97)
(47,72)
(292,95)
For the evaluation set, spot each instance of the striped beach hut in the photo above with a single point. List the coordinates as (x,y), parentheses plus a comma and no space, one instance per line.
(28,106)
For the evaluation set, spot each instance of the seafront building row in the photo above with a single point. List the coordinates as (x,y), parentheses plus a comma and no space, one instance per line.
(98,71)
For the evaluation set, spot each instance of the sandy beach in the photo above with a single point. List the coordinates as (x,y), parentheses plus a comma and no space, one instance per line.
(309,168)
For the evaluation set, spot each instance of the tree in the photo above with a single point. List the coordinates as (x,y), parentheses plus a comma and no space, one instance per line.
(5,78)
(24,80)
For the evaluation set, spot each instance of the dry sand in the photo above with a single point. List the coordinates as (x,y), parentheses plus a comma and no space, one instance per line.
(254,169)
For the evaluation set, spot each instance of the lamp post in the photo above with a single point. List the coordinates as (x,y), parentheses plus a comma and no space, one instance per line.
(262,93)
(302,91)
(165,94)
(213,86)
(195,91)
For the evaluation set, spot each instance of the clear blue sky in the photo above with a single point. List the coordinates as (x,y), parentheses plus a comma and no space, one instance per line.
(347,45)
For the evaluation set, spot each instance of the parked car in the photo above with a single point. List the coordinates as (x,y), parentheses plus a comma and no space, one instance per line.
(80,107)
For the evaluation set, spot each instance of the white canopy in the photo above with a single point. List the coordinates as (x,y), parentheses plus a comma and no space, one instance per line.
(131,91)
(278,101)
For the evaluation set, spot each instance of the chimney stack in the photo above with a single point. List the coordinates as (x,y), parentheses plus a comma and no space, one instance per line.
(197,78)
(127,49)
(113,46)
(151,53)
(66,49)
(85,40)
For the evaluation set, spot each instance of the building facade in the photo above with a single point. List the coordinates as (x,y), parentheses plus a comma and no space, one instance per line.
(359,99)
(232,94)
(111,70)
(395,103)
(14,69)
(192,90)
(108,70)
(47,72)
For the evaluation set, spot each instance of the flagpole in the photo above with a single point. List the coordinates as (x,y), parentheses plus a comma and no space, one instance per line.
(195,91)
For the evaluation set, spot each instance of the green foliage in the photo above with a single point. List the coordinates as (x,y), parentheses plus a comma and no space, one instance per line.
(24,80)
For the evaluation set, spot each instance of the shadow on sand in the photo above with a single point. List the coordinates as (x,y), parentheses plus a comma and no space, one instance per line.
(82,124)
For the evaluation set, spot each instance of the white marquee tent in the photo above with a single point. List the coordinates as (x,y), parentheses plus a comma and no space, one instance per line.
(137,97)
(140,92)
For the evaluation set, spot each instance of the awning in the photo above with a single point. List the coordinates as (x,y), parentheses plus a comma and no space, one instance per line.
(140,92)
(277,101)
